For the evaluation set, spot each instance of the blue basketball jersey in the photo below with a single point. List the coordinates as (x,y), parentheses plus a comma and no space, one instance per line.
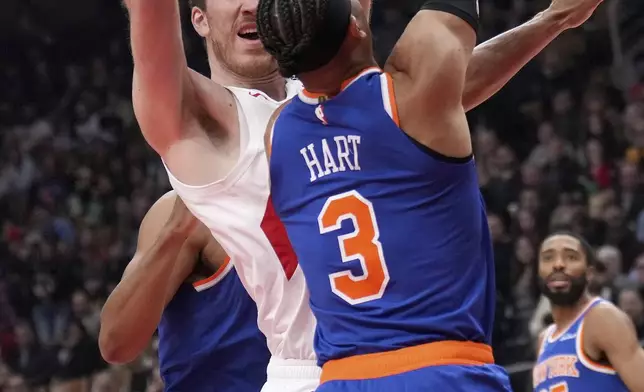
(209,339)
(563,366)
(391,236)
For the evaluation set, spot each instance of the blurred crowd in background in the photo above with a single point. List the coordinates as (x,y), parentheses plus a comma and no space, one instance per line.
(562,146)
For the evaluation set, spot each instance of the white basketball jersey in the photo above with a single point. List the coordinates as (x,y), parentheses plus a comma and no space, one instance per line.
(238,211)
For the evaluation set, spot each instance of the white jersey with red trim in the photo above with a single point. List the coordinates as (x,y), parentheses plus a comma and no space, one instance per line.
(239,212)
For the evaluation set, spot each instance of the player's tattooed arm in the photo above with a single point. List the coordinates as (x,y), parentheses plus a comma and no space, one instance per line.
(497,60)
(164,258)
(607,330)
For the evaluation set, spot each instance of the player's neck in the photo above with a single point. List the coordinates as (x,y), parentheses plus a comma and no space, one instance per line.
(330,79)
(272,84)
(564,315)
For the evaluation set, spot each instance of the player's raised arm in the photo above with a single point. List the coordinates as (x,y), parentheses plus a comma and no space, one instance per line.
(367,7)
(607,330)
(161,83)
(428,67)
(163,260)
(497,60)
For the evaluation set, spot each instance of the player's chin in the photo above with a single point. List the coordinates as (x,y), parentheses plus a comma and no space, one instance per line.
(259,65)
(559,291)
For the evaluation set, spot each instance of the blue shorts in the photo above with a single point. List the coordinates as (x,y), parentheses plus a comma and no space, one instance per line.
(444,378)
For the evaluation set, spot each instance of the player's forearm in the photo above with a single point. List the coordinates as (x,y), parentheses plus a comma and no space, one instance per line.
(132,312)
(366,6)
(496,61)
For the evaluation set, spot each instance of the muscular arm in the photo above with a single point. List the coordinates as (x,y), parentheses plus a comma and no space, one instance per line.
(428,67)
(161,82)
(497,60)
(169,99)
(133,310)
(608,330)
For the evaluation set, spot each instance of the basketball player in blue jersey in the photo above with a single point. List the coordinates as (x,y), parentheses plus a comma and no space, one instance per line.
(592,345)
(180,280)
(373,176)
(175,107)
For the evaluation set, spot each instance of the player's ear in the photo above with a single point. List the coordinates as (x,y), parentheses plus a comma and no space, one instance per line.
(355,29)
(200,22)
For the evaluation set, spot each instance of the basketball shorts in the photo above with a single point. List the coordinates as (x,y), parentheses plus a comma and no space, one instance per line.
(291,375)
(440,366)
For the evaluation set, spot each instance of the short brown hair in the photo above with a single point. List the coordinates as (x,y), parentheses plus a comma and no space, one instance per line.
(197,3)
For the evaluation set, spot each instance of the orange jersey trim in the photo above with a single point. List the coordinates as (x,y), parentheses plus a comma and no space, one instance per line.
(214,276)
(368,366)
(269,144)
(392,100)
(344,84)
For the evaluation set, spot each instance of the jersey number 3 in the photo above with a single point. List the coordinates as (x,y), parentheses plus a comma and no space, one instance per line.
(561,387)
(362,244)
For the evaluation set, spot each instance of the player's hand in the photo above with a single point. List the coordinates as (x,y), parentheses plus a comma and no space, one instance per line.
(573,13)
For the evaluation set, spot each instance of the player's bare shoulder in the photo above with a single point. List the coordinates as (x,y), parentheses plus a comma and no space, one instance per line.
(215,102)
(210,142)
(600,321)
(268,134)
(428,84)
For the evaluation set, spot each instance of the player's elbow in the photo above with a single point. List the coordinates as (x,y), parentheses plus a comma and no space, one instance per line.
(475,92)
(160,128)
(115,349)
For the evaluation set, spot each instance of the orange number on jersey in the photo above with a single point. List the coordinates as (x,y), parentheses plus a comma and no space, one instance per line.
(362,244)
(562,387)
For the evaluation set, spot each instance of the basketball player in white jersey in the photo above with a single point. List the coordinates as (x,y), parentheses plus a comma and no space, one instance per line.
(211,140)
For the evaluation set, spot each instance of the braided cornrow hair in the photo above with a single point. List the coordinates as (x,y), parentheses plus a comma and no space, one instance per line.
(197,3)
(287,27)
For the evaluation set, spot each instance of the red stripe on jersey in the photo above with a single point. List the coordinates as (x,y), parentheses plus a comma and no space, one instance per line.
(276,233)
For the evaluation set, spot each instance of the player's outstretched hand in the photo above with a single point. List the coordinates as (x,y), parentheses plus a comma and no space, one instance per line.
(573,13)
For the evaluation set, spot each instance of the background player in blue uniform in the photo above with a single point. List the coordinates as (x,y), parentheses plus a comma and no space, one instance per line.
(592,345)
(181,281)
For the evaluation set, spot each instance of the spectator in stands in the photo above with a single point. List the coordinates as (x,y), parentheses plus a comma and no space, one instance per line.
(631,301)
(524,279)
(78,358)
(30,360)
(637,273)
(86,312)
(49,315)
(611,258)
(16,384)
(4,375)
